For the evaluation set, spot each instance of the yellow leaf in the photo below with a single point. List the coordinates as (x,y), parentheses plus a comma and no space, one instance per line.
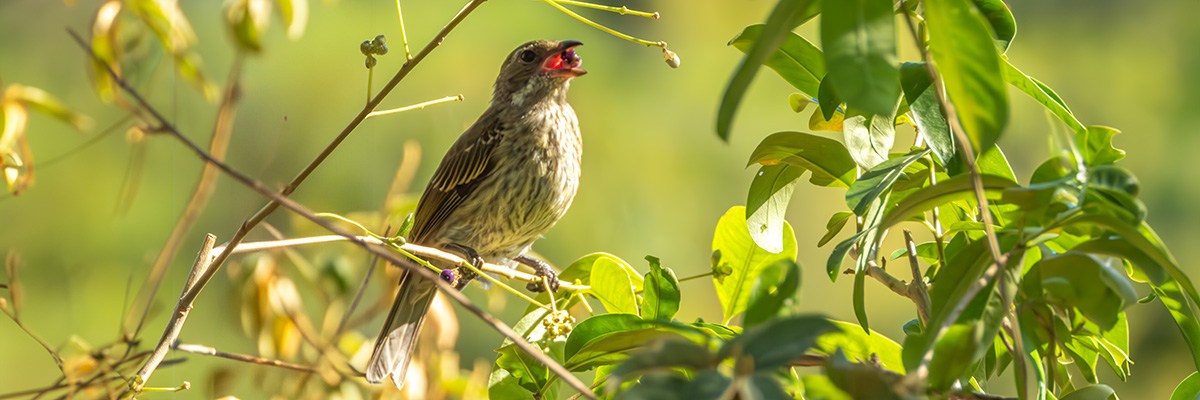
(818,122)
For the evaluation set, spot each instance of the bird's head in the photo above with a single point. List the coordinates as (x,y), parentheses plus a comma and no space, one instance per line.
(537,71)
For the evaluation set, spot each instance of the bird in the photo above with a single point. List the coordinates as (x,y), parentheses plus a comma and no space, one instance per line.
(503,184)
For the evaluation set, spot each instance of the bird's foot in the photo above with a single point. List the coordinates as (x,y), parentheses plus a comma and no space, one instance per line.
(466,275)
(541,269)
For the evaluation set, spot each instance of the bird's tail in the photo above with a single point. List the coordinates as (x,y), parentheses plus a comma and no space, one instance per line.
(396,342)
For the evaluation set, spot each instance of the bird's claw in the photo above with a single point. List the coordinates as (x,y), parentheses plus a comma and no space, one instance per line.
(542,270)
(466,275)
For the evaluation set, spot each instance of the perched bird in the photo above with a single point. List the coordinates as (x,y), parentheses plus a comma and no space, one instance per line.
(504,183)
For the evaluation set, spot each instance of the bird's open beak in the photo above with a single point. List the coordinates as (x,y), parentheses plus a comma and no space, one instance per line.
(565,62)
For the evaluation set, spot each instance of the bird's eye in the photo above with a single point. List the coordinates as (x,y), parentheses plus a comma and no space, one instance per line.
(528,56)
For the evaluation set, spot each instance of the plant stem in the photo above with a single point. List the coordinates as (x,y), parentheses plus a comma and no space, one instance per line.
(619,10)
(605,29)
(418,106)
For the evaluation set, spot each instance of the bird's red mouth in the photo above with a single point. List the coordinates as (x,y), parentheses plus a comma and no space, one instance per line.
(565,62)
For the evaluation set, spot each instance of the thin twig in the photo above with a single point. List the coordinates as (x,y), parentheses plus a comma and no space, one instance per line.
(917,291)
(209,351)
(426,253)
(205,186)
(418,106)
(993,243)
(182,308)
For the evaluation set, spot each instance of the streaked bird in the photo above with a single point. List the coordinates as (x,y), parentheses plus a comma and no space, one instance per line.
(508,179)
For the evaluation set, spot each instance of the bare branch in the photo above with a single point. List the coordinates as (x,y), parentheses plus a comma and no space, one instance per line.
(917,291)
(209,351)
(182,308)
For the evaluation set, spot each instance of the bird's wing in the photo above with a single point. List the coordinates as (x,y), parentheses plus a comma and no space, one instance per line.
(467,163)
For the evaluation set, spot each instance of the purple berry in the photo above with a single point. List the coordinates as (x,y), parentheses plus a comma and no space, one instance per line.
(448,276)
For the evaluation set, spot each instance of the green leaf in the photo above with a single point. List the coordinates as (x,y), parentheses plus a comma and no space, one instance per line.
(819,386)
(796,60)
(664,354)
(786,15)
(613,286)
(956,188)
(869,137)
(770,192)
(660,299)
(529,373)
(743,258)
(607,338)
(828,159)
(775,285)
(1000,18)
(969,64)
(1096,145)
(858,345)
(859,38)
(1093,392)
(836,222)
(993,162)
(863,381)
(762,387)
(1189,389)
(1042,94)
(503,383)
(776,343)
(953,353)
(798,102)
(878,180)
(927,111)
(828,99)
(709,384)
(1097,288)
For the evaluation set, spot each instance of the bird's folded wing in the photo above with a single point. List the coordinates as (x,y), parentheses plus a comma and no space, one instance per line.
(467,162)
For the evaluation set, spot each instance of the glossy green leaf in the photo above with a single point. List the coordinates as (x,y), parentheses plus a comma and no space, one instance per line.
(863,381)
(926,112)
(607,339)
(528,372)
(828,159)
(969,63)
(956,188)
(836,222)
(859,346)
(828,99)
(953,353)
(767,201)
(613,286)
(786,15)
(779,341)
(775,285)
(1042,94)
(1001,20)
(1096,145)
(664,354)
(796,60)
(1094,286)
(859,38)
(869,137)
(833,266)
(660,297)
(504,383)
(709,384)
(1093,392)
(993,162)
(878,180)
(1189,389)
(743,258)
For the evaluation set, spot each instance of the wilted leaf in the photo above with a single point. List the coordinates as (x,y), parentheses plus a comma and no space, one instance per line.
(247,20)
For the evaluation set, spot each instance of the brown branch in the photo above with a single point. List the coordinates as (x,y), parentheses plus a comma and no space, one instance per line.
(917,291)
(205,186)
(182,308)
(968,156)
(280,199)
(209,351)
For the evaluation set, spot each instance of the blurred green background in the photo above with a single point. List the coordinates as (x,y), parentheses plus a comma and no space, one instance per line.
(655,176)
